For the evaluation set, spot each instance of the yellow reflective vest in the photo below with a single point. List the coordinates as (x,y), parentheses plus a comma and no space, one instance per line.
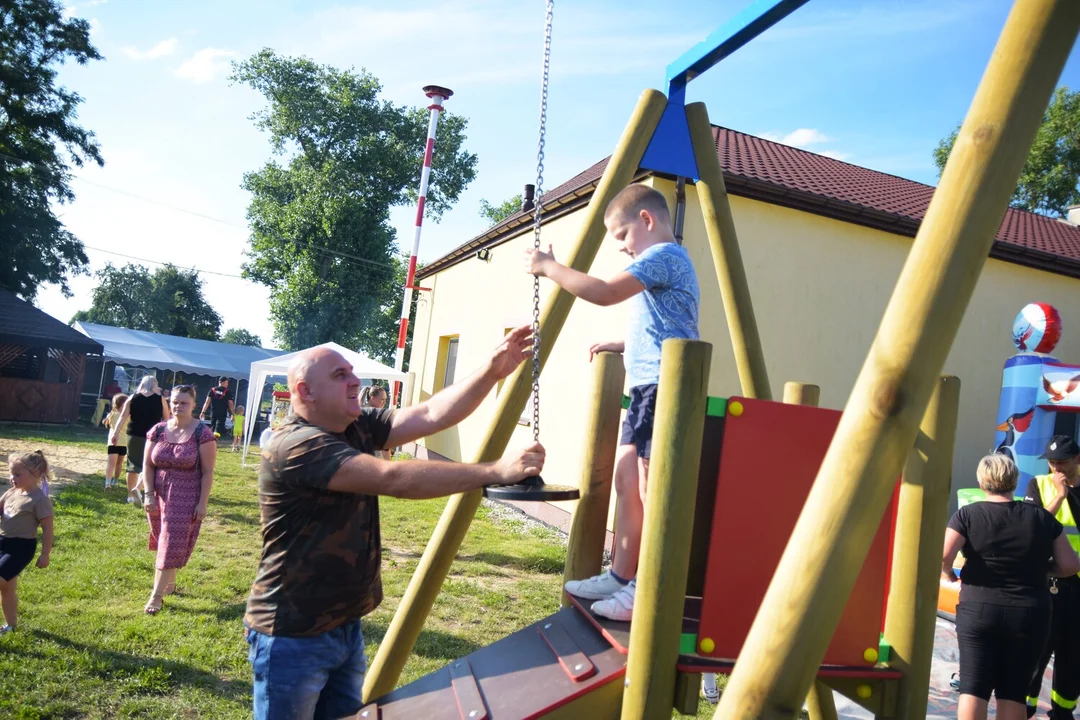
(1064,515)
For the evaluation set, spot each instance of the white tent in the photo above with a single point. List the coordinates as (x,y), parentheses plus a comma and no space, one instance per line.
(363,367)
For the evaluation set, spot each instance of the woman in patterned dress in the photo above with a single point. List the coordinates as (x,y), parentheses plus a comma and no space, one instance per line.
(178,471)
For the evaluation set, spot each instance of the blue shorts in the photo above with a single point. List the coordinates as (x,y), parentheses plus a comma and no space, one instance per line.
(321,676)
(638,426)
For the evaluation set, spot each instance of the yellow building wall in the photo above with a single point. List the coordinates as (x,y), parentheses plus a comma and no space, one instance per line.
(819,288)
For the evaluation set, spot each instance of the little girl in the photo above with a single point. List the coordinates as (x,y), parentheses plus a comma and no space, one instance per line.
(118,451)
(22,509)
(237,427)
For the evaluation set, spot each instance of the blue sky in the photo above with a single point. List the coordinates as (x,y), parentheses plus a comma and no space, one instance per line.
(873,83)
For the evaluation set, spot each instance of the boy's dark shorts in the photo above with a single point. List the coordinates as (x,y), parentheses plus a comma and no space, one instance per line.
(637,428)
(120,450)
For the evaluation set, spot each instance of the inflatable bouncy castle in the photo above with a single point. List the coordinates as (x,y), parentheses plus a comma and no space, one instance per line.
(1040,398)
(1039,395)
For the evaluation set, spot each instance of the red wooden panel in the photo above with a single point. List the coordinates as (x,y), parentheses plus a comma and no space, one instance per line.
(770,456)
(470,704)
(577,665)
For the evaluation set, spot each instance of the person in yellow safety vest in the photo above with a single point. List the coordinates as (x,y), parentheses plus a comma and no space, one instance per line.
(1059,493)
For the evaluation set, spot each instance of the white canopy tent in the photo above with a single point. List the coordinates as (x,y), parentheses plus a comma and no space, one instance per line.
(363,367)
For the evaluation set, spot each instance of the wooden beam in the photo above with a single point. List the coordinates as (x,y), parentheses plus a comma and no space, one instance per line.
(434,565)
(814,578)
(588,528)
(665,539)
(727,259)
(916,562)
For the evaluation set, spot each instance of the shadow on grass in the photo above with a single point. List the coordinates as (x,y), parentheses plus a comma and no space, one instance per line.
(150,675)
(544,564)
(432,644)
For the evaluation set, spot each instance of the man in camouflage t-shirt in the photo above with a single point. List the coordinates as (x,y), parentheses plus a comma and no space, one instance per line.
(318,495)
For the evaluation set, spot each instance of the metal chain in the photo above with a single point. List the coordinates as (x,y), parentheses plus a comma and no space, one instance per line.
(536,220)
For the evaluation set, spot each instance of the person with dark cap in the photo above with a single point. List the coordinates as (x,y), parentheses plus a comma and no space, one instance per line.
(220,403)
(1058,492)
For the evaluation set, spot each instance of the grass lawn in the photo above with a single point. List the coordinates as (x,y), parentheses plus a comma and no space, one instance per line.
(85,648)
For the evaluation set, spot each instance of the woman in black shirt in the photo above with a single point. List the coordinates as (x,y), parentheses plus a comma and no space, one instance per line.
(145,409)
(1004,613)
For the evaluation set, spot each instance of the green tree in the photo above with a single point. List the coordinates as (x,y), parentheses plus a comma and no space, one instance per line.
(169,301)
(240,336)
(39,142)
(495,214)
(321,238)
(1049,181)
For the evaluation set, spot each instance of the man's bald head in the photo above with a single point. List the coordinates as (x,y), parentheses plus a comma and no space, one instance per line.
(308,363)
(324,389)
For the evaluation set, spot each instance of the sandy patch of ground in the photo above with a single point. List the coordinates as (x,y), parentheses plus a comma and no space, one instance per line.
(69,464)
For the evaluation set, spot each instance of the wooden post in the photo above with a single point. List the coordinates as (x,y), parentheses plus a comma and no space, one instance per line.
(665,540)
(585,546)
(800,611)
(820,704)
(916,561)
(797,393)
(727,259)
(428,578)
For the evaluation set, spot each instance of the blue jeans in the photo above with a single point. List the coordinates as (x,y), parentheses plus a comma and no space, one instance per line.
(308,677)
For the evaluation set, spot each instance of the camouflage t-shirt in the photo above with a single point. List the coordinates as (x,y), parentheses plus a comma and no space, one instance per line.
(321,553)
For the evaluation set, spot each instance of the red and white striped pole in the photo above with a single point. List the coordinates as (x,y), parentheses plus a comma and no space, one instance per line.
(437,95)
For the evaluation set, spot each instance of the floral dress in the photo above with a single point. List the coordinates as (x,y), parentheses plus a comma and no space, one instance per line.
(178,485)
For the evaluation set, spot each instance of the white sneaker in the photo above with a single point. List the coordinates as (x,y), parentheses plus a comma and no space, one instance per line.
(598,587)
(135,497)
(130,499)
(711,691)
(6,629)
(619,606)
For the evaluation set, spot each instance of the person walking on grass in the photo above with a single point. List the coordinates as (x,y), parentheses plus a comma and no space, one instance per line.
(663,290)
(116,453)
(238,427)
(178,471)
(143,411)
(23,509)
(220,403)
(319,488)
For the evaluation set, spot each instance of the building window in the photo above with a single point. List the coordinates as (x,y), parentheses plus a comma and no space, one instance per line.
(446,362)
(451,362)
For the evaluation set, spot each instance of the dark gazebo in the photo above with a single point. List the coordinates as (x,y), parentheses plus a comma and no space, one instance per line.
(42,361)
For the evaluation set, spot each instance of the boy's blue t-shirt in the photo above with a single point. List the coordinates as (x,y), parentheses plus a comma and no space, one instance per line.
(667,309)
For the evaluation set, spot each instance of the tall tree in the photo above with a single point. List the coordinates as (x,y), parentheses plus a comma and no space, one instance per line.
(240,336)
(495,214)
(39,142)
(1049,181)
(321,239)
(169,301)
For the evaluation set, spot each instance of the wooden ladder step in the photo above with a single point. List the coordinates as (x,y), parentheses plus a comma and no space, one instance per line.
(470,703)
(574,662)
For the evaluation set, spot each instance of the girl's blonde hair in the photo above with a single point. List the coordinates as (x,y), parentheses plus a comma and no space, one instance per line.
(36,463)
(118,402)
(238,410)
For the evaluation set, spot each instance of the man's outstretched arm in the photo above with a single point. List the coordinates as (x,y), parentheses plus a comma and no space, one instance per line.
(455,403)
(421,479)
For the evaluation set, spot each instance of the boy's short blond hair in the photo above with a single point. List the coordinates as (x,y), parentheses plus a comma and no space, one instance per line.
(635,198)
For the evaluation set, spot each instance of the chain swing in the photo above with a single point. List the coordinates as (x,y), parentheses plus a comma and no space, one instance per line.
(534,488)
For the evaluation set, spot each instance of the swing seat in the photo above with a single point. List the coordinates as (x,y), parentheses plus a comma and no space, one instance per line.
(532,489)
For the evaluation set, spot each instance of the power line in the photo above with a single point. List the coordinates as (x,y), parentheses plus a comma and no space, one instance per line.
(197,270)
(159,262)
(341,254)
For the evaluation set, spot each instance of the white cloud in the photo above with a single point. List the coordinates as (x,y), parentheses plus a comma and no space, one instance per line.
(205,65)
(162,49)
(806,139)
(801,138)
(71,11)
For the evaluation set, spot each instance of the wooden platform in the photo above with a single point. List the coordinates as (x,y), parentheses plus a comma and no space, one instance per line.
(562,666)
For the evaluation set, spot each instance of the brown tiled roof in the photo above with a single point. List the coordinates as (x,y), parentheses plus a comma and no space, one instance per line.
(783,175)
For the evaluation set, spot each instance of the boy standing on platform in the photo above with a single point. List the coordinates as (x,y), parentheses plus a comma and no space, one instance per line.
(661,284)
